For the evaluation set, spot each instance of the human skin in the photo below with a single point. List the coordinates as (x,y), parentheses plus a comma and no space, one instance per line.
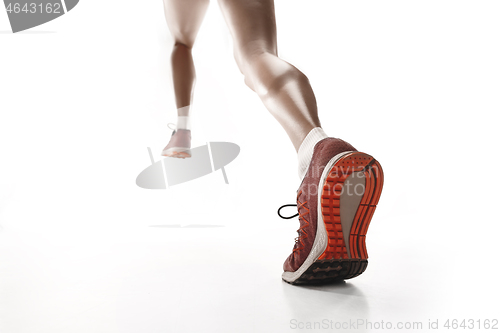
(284,90)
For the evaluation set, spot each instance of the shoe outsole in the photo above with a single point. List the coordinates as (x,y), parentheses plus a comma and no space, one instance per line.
(177,152)
(327,271)
(341,261)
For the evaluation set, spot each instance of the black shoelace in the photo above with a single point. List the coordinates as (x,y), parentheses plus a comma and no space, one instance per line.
(287,217)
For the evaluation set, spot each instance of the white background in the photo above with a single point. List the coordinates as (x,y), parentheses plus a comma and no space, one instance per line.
(83,249)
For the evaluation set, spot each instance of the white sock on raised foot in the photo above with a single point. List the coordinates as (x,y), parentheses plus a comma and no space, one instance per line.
(183,122)
(183,118)
(306,149)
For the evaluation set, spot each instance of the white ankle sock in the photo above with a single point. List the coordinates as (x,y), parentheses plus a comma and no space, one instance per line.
(183,122)
(306,149)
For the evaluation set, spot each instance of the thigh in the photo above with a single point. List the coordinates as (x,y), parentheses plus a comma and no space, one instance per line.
(184,18)
(252,25)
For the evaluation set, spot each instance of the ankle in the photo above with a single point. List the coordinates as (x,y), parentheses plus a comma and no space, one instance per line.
(304,155)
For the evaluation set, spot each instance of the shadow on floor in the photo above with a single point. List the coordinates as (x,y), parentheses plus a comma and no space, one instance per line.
(335,306)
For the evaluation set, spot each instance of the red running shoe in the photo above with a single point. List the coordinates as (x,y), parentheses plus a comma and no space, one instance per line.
(335,201)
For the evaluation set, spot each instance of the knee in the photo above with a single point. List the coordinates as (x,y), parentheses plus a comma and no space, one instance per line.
(245,69)
(181,53)
(182,46)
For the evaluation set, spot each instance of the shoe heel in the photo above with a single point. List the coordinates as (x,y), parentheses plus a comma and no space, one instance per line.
(373,188)
(347,216)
